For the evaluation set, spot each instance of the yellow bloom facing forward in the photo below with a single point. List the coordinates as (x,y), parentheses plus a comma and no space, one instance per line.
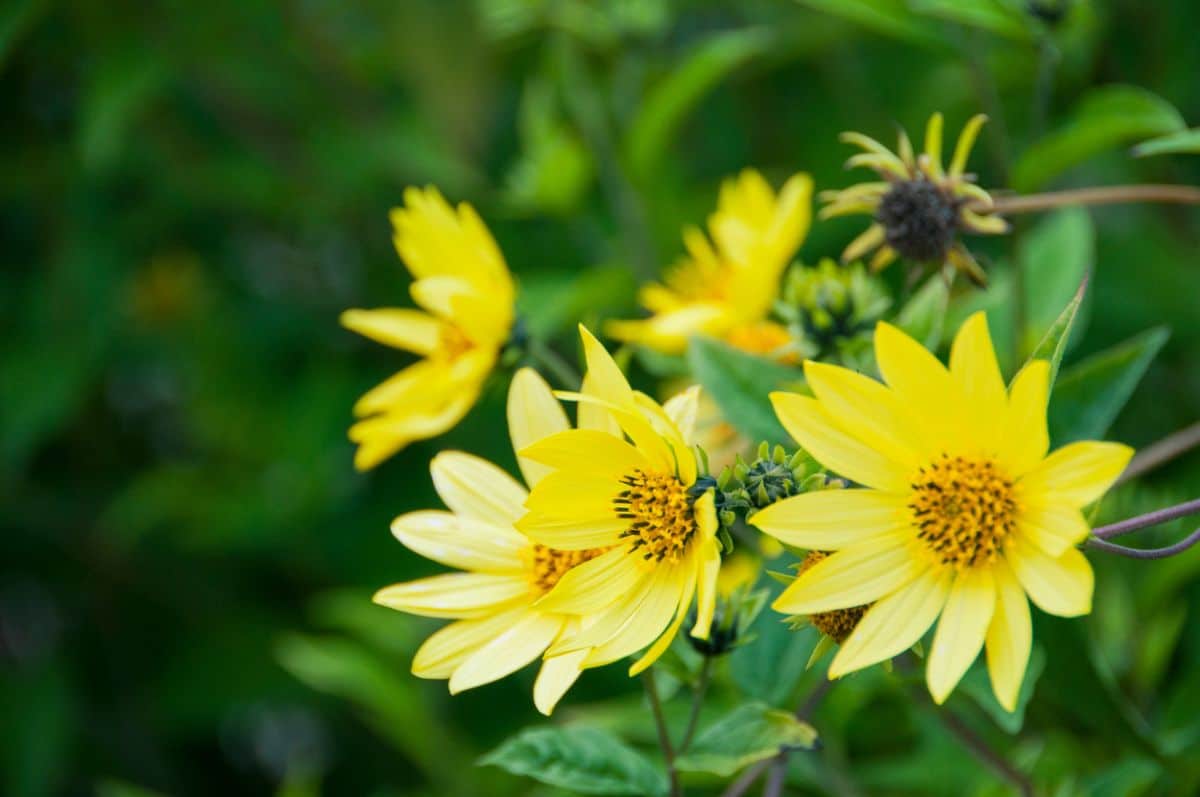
(466,297)
(919,207)
(961,515)
(725,287)
(635,492)
(499,625)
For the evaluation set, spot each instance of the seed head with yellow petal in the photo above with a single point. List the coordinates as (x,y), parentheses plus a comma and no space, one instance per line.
(962,514)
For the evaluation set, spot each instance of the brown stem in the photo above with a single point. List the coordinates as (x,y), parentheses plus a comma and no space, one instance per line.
(1099,195)
(1165,450)
(980,749)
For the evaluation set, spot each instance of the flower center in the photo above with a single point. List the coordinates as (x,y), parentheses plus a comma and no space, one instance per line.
(920,219)
(660,514)
(762,337)
(452,343)
(551,564)
(838,623)
(964,509)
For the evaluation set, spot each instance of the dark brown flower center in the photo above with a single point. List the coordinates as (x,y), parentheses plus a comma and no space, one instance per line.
(920,219)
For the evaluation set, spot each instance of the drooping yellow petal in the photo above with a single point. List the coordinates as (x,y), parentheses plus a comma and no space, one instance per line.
(708,566)
(670,331)
(872,237)
(1079,473)
(829,520)
(894,624)
(455,595)
(556,676)
(655,651)
(1053,527)
(475,488)
(381,436)
(961,631)
(933,144)
(422,384)
(461,542)
(974,367)
(533,414)
(599,627)
(650,620)
(1009,638)
(449,646)
(411,330)
(594,585)
(853,576)
(807,421)
(1061,586)
(522,642)
(966,140)
(1026,439)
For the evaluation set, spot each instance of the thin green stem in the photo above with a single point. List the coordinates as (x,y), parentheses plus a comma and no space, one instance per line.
(554,363)
(1152,456)
(664,735)
(697,703)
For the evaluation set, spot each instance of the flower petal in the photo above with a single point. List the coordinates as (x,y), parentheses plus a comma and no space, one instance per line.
(533,414)
(973,366)
(449,646)
(585,451)
(475,488)
(457,595)
(1061,586)
(557,675)
(807,421)
(1026,439)
(853,576)
(922,384)
(1053,528)
(829,520)
(894,624)
(522,642)
(961,631)
(411,330)
(461,542)
(655,651)
(708,566)
(1009,638)
(1078,473)
(650,620)
(594,585)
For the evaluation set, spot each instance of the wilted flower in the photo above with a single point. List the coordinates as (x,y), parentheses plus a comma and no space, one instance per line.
(467,296)
(920,208)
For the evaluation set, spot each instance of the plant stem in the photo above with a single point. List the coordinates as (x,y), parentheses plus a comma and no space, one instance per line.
(1149,519)
(1097,195)
(979,748)
(1146,553)
(697,703)
(554,363)
(1165,450)
(664,736)
(779,762)
(778,774)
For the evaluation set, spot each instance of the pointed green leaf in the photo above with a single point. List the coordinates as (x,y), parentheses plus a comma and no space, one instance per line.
(1054,342)
(1054,257)
(747,734)
(1183,142)
(584,760)
(740,384)
(924,315)
(887,17)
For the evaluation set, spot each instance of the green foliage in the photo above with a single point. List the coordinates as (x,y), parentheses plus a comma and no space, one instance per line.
(749,733)
(1055,257)
(1057,337)
(583,760)
(740,384)
(1185,141)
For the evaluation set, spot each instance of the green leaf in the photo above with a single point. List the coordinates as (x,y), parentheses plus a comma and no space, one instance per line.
(1054,258)
(924,314)
(747,734)
(583,760)
(769,668)
(993,16)
(1185,141)
(1105,118)
(888,17)
(16,20)
(740,384)
(667,104)
(976,684)
(1057,337)
(1090,394)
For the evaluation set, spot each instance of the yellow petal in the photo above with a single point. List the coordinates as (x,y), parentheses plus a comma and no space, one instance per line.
(381,436)
(655,651)
(457,595)
(591,415)
(594,585)
(669,331)
(533,414)
(608,383)
(894,624)
(961,631)
(933,144)
(812,427)
(1053,527)
(1009,638)
(475,488)
(883,258)
(1079,473)
(461,542)
(973,366)
(829,520)
(922,384)
(1061,586)
(557,675)
(853,576)
(597,628)
(966,140)
(1026,439)
(411,330)
(650,620)
(587,452)
(522,642)
(709,567)
(443,295)
(682,409)
(448,647)
(873,236)
(421,385)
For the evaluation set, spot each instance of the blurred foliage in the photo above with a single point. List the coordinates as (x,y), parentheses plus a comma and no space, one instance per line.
(193,192)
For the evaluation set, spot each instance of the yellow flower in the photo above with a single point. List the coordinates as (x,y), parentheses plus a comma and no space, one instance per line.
(500,625)
(466,294)
(961,512)
(920,207)
(641,499)
(726,287)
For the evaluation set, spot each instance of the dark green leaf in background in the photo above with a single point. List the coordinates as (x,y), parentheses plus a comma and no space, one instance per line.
(583,760)
(740,384)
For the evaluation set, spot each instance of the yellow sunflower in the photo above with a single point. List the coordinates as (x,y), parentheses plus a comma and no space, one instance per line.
(637,493)
(961,513)
(500,627)
(466,294)
(919,208)
(725,288)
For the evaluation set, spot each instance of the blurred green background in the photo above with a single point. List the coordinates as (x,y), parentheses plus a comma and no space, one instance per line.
(192,192)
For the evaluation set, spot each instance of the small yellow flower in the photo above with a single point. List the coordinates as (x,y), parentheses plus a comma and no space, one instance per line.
(920,208)
(640,498)
(466,294)
(961,513)
(725,287)
(500,625)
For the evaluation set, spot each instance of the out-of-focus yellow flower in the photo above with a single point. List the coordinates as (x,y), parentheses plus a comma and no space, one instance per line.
(920,207)
(962,514)
(500,627)
(725,287)
(641,499)
(467,297)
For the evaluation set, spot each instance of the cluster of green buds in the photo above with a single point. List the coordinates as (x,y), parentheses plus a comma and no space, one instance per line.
(772,476)
(832,308)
